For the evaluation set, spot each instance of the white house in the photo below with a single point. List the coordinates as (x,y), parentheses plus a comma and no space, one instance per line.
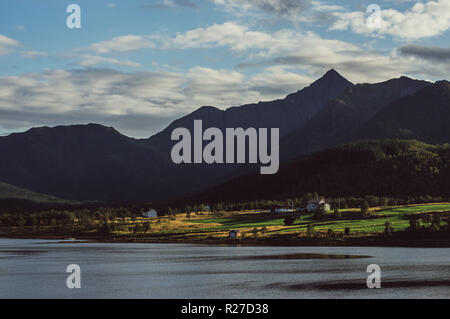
(150,214)
(315,204)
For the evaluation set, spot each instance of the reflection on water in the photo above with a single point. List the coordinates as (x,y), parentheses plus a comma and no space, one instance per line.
(36,269)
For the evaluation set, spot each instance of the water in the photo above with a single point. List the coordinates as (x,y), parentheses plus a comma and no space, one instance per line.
(36,269)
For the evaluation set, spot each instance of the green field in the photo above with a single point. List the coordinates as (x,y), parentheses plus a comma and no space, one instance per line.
(200,226)
(397,216)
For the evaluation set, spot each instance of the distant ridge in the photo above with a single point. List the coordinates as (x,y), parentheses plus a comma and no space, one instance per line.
(11,192)
(341,117)
(94,162)
(292,111)
(423,115)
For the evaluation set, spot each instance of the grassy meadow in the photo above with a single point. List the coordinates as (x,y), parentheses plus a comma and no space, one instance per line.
(260,224)
(263,226)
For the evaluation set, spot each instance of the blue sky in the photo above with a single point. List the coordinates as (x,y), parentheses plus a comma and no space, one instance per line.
(137,65)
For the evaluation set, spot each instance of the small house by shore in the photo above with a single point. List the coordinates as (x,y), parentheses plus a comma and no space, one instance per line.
(235,233)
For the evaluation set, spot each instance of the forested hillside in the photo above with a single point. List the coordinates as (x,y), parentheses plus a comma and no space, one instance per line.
(375,167)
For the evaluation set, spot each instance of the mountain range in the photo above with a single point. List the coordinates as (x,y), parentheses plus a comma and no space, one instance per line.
(340,117)
(94,162)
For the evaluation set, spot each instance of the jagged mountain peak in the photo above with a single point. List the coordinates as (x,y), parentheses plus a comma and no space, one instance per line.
(332,75)
(295,109)
(330,81)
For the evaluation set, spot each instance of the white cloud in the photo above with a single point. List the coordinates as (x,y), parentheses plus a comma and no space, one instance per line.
(33,54)
(207,86)
(422,20)
(239,38)
(92,91)
(95,95)
(231,34)
(91,60)
(288,47)
(308,50)
(7,45)
(296,11)
(121,44)
(276,81)
(140,103)
(169,4)
(319,6)
(293,10)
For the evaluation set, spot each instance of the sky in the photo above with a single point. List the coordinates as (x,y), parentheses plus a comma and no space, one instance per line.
(137,65)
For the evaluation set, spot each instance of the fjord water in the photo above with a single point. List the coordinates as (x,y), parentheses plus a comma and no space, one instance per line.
(37,269)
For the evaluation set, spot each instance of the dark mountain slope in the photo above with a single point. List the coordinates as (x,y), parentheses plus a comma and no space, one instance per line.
(11,192)
(82,162)
(93,162)
(86,162)
(424,115)
(336,122)
(383,168)
(286,114)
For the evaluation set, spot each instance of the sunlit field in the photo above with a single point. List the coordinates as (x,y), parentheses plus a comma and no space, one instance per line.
(255,223)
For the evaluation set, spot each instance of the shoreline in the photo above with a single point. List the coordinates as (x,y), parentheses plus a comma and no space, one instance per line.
(258,228)
(311,242)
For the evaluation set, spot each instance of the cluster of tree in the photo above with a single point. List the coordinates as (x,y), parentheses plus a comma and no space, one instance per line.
(429,223)
(114,209)
(385,168)
(336,203)
(50,218)
(85,216)
(255,232)
(107,229)
(424,225)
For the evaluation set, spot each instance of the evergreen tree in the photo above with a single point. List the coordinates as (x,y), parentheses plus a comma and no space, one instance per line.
(310,230)
(388,229)
(289,220)
(365,209)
